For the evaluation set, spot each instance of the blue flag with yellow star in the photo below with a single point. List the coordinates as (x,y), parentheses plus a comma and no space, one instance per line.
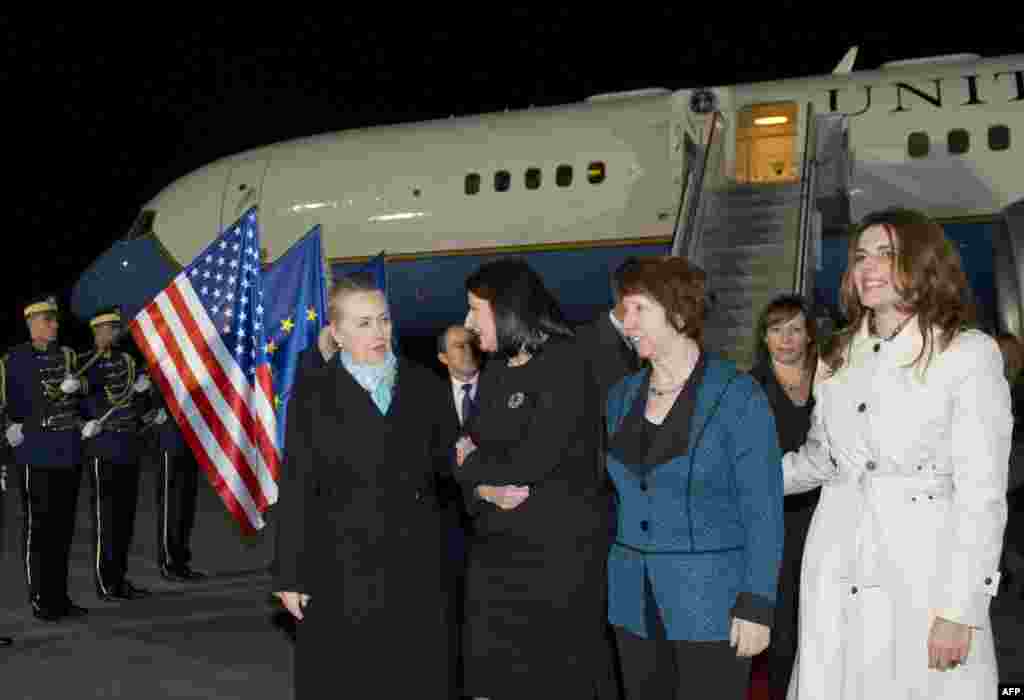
(296,301)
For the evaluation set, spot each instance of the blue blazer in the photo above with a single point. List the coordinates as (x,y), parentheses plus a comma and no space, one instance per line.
(706,528)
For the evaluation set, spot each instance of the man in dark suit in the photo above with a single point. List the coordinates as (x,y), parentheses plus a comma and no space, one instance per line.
(457,351)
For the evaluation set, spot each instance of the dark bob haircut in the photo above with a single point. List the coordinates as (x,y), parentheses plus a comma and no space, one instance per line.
(526,314)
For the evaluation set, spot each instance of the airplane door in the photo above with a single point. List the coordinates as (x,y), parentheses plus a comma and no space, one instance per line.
(244,189)
(1009,268)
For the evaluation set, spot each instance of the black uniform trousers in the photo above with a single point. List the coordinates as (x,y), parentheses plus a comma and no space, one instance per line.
(115,489)
(49,502)
(176,491)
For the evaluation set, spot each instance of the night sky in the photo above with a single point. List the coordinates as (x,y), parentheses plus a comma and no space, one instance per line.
(103,113)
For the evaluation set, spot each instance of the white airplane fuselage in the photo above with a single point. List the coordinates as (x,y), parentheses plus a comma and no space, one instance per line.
(408,189)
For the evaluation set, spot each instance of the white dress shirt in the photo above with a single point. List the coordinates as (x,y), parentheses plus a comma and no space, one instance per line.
(457,392)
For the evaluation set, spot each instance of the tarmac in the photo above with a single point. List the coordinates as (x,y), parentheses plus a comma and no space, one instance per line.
(220,638)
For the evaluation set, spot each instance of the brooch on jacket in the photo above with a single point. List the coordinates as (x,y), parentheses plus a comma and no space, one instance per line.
(516,400)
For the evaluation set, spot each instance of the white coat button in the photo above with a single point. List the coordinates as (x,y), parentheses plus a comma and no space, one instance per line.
(870,466)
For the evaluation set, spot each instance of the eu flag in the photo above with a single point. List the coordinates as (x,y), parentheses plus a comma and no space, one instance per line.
(296,301)
(376,267)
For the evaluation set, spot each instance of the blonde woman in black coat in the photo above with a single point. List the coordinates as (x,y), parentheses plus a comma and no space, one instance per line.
(359,539)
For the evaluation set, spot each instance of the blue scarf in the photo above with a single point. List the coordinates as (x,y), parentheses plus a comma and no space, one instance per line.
(378,380)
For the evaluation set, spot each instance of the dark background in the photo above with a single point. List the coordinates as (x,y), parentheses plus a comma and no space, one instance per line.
(106,108)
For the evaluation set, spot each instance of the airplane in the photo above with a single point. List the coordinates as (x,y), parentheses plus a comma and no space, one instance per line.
(577,188)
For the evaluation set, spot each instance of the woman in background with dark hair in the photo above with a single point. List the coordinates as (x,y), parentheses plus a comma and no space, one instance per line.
(786,363)
(536,574)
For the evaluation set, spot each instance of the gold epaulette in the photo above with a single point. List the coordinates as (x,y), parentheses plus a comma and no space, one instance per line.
(70,364)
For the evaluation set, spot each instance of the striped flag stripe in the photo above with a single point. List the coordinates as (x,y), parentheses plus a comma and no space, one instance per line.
(219,416)
(209,358)
(258,402)
(219,469)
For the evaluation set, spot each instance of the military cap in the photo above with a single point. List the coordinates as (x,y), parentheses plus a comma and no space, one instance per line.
(41,304)
(112,315)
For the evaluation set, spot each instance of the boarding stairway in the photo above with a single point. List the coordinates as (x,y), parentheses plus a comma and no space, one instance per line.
(756,241)
(1008,243)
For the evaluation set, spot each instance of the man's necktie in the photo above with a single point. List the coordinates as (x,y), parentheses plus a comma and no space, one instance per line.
(467,403)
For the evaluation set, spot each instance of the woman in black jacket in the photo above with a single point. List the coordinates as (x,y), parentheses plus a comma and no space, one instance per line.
(535,585)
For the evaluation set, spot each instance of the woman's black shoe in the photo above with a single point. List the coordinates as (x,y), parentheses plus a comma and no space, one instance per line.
(6,641)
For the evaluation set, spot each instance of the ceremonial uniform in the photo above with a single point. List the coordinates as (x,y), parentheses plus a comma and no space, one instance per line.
(6,462)
(42,424)
(177,486)
(115,406)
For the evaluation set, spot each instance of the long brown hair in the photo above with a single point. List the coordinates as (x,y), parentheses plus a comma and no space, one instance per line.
(927,275)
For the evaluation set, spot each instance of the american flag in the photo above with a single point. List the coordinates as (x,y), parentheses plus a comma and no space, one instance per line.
(203,337)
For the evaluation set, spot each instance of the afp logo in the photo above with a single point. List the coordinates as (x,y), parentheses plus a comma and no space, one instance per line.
(1011,691)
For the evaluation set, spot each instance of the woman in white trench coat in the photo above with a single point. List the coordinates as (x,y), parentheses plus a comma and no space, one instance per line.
(910,442)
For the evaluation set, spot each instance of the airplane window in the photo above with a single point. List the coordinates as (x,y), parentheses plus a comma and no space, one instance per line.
(918,144)
(532,178)
(595,173)
(958,141)
(502,180)
(563,175)
(999,137)
(473,183)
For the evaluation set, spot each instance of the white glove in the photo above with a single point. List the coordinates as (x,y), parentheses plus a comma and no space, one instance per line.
(142,384)
(70,384)
(14,435)
(161,417)
(91,429)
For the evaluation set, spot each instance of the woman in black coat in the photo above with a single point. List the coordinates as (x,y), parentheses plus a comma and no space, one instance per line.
(531,468)
(787,360)
(359,546)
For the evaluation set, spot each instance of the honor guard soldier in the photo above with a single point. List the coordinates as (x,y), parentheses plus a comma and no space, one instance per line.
(6,460)
(111,442)
(42,391)
(177,486)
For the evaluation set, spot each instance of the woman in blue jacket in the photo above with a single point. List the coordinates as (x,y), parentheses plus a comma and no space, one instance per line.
(693,452)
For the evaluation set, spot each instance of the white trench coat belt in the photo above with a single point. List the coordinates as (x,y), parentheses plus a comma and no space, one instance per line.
(913,467)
